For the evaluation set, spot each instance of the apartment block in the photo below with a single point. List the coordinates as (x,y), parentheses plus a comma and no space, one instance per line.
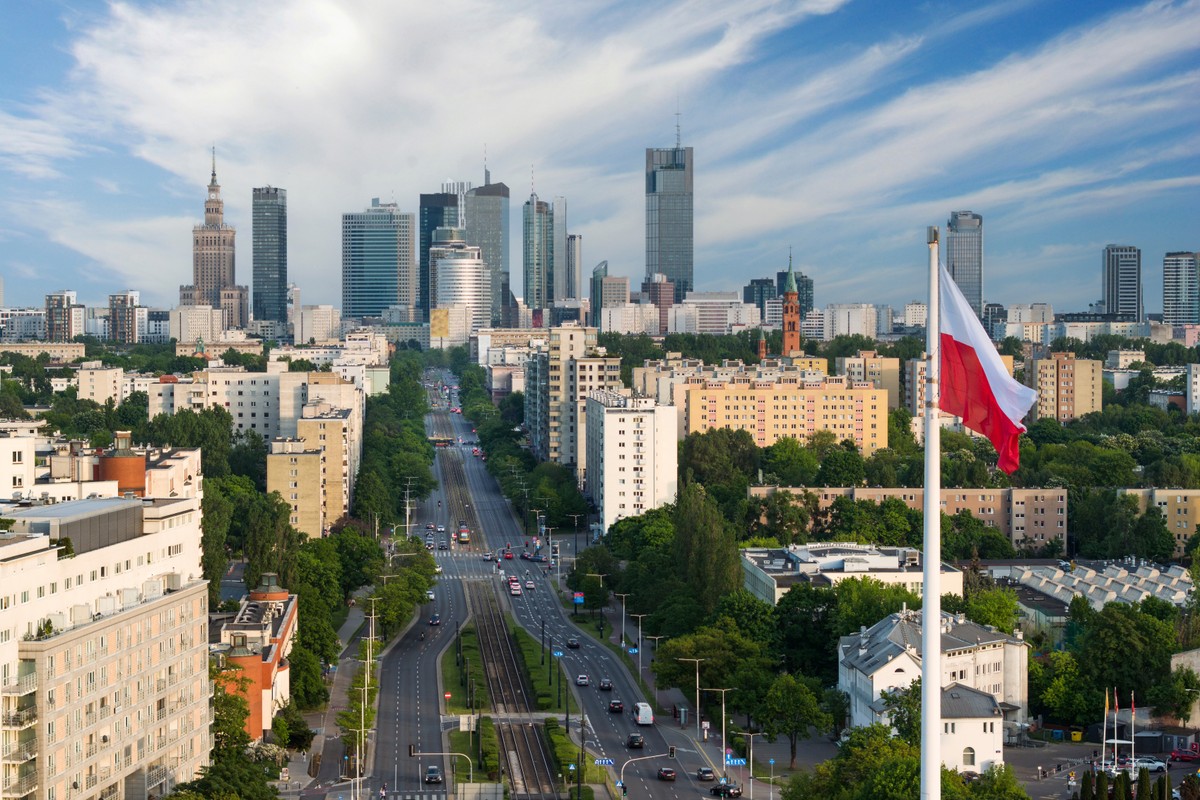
(335,431)
(484,340)
(632,455)
(100,384)
(1180,509)
(1027,517)
(59,352)
(870,367)
(789,407)
(296,470)
(1067,387)
(103,654)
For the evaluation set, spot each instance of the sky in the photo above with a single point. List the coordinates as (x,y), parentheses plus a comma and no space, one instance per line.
(835,128)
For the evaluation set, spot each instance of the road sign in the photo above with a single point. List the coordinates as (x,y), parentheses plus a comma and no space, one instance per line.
(579,598)
(633,651)
(771,761)
(620,784)
(571,767)
(604,762)
(447,695)
(734,762)
(558,653)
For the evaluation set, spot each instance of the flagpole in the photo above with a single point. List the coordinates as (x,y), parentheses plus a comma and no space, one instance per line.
(931,604)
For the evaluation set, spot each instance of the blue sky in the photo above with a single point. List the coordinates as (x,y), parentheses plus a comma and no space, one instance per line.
(838,128)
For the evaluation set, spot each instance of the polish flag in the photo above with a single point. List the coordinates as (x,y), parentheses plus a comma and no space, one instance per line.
(974,383)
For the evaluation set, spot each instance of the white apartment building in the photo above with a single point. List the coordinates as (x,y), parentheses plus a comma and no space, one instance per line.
(630,318)
(812,325)
(848,319)
(632,455)
(316,324)
(718,313)
(915,314)
(103,654)
(190,324)
(1191,389)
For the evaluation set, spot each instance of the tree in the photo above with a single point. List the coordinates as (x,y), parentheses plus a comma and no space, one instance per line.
(788,463)
(805,623)
(793,710)
(904,711)
(997,607)
(217,513)
(842,467)
(705,550)
(865,601)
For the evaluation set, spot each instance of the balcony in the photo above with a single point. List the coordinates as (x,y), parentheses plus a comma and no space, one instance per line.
(110,791)
(156,775)
(19,787)
(22,685)
(19,752)
(19,719)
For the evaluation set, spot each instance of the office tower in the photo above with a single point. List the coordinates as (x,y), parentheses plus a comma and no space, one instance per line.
(460,276)
(270,253)
(964,256)
(126,317)
(64,316)
(574,287)
(791,314)
(758,291)
(438,210)
(804,288)
(659,292)
(214,277)
(379,259)
(669,240)
(558,270)
(1181,289)
(599,273)
(487,229)
(1123,281)
(538,252)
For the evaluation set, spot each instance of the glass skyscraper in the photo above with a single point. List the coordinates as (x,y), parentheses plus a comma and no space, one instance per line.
(1123,281)
(438,210)
(537,237)
(964,256)
(487,228)
(669,236)
(378,259)
(1181,288)
(270,253)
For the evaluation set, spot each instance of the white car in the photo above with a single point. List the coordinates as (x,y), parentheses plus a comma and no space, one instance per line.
(429,594)
(583,680)
(528,584)
(1150,763)
(437,568)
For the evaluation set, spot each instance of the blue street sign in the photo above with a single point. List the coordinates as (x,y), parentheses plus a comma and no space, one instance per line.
(735,762)
(571,767)
(620,784)
(771,761)
(578,598)
(633,651)
(604,762)
(558,653)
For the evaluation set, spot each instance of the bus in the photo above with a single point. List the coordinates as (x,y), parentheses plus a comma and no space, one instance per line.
(441,441)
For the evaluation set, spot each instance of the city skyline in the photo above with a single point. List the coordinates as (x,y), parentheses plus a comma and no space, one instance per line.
(843,129)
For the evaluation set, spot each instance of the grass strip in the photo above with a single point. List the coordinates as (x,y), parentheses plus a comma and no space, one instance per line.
(456,674)
(482,747)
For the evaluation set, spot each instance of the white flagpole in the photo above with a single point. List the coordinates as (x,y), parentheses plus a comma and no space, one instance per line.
(931,604)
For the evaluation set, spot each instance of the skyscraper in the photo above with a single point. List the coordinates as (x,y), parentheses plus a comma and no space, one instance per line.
(758,291)
(270,253)
(574,287)
(379,259)
(64,316)
(1181,289)
(1123,281)
(214,277)
(599,273)
(438,210)
(804,287)
(487,229)
(461,278)
(669,248)
(964,256)
(538,252)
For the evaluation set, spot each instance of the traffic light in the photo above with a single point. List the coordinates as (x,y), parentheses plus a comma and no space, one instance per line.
(412,751)
(624,791)
(671,751)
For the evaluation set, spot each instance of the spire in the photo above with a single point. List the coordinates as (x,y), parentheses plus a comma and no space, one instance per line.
(790,286)
(214,164)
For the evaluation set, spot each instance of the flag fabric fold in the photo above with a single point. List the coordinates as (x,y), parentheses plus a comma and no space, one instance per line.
(974,383)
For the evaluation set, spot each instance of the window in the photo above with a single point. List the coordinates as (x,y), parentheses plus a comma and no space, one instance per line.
(968,758)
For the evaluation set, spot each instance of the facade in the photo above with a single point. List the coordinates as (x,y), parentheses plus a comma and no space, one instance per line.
(718,313)
(104,655)
(964,256)
(804,289)
(1028,518)
(791,315)
(850,319)
(631,318)
(23,324)
(296,470)
(915,314)
(269,218)
(758,291)
(214,276)
(127,319)
(338,432)
(789,407)
(870,367)
(632,455)
(1181,289)
(559,288)
(64,316)
(58,351)
(191,324)
(437,210)
(1180,509)
(100,384)
(317,324)
(660,293)
(770,573)
(1123,281)
(669,216)
(379,260)
(487,227)
(460,276)
(609,291)
(1067,388)
(537,240)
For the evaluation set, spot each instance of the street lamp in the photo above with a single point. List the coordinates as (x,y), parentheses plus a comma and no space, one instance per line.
(622,595)
(724,748)
(750,758)
(639,641)
(697,709)
(536,517)
(575,525)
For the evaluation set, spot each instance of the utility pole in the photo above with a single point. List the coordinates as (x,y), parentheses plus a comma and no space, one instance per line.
(622,595)
(639,641)
(696,711)
(575,525)
(724,746)
(655,638)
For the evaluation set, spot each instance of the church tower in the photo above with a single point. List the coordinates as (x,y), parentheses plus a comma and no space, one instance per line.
(791,313)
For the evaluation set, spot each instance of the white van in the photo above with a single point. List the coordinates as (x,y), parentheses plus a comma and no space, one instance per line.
(643,714)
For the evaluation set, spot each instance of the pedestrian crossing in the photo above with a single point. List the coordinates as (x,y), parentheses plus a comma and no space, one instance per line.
(391,795)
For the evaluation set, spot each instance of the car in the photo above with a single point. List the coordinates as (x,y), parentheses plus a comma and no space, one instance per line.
(1184,755)
(429,595)
(436,619)
(572,643)
(706,774)
(528,584)
(433,774)
(443,545)
(616,706)
(666,774)
(515,591)
(636,740)
(441,528)
(582,680)
(525,555)
(726,790)
(429,526)
(1151,763)
(605,685)
(508,555)
(488,556)
(437,568)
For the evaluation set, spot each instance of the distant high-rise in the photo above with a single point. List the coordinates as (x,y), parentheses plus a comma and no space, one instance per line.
(538,252)
(487,229)
(460,276)
(658,291)
(379,260)
(1181,289)
(558,257)
(574,287)
(1123,281)
(270,253)
(804,288)
(669,238)
(64,316)
(758,291)
(126,317)
(214,277)
(599,273)
(438,210)
(964,256)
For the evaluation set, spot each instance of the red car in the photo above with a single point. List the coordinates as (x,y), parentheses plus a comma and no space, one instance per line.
(1184,755)
(508,555)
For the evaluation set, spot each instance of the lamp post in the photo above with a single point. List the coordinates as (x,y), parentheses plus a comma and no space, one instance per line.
(696,711)
(575,525)
(750,758)
(622,595)
(639,641)
(724,748)
(771,791)
(537,512)
(601,576)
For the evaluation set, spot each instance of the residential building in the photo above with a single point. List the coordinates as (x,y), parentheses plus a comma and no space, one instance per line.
(538,236)
(717,313)
(486,340)
(317,324)
(23,324)
(632,318)
(296,469)
(258,641)
(964,256)
(61,352)
(1123,359)
(1067,387)
(789,407)
(660,293)
(191,324)
(632,455)
(975,660)
(103,655)
(1030,518)
(127,319)
(1180,509)
(669,216)
(487,227)
(769,573)
(214,274)
(270,229)
(1123,281)
(64,316)
(915,314)
(379,260)
(870,367)
(812,325)
(1191,388)
(100,383)
(850,319)
(337,431)
(1181,289)
(460,276)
